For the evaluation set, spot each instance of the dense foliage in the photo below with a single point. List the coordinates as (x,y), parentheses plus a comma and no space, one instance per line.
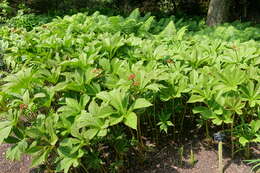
(82,91)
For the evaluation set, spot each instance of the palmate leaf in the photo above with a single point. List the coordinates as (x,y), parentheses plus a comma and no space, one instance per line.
(91,133)
(135,14)
(34,133)
(51,76)
(20,81)
(104,95)
(230,78)
(255,125)
(164,126)
(88,125)
(196,98)
(207,113)
(116,98)
(5,130)
(73,107)
(251,93)
(141,103)
(51,91)
(243,141)
(120,101)
(40,157)
(234,103)
(111,43)
(204,111)
(70,152)
(50,130)
(169,30)
(102,111)
(66,163)
(16,151)
(7,125)
(131,120)
(145,27)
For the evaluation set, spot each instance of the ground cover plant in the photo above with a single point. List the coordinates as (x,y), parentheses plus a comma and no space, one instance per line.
(83,92)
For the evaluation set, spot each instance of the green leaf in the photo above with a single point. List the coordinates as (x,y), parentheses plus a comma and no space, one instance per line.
(73,103)
(103,95)
(194,77)
(16,151)
(65,164)
(90,134)
(13,153)
(84,99)
(105,111)
(141,103)
(5,130)
(228,117)
(169,30)
(34,149)
(169,123)
(93,107)
(39,95)
(255,125)
(33,133)
(65,151)
(243,141)
(154,87)
(26,97)
(217,121)
(205,112)
(135,14)
(115,119)
(11,140)
(196,98)
(18,132)
(40,158)
(131,120)
(199,109)
(102,133)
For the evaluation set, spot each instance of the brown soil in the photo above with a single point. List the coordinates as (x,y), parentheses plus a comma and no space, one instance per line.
(12,167)
(167,159)
(163,160)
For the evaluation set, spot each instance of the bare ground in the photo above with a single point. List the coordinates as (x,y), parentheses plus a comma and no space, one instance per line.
(163,160)
(167,160)
(12,167)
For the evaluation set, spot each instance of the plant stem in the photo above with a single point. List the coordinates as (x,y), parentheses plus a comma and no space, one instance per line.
(182,119)
(192,158)
(181,155)
(232,142)
(139,133)
(220,158)
(154,119)
(173,119)
(247,151)
(84,167)
(207,129)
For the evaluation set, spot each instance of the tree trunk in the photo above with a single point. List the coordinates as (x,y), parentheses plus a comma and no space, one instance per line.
(218,12)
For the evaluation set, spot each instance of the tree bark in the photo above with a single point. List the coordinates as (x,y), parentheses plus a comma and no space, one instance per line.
(218,12)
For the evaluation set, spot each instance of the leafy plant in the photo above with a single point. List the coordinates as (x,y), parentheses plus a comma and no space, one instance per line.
(84,87)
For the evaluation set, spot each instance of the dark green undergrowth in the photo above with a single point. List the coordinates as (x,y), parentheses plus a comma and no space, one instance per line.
(84,92)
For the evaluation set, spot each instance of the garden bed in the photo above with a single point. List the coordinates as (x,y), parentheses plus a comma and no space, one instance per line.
(88,93)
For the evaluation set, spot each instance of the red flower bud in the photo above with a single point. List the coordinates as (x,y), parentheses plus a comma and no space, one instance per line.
(131,77)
